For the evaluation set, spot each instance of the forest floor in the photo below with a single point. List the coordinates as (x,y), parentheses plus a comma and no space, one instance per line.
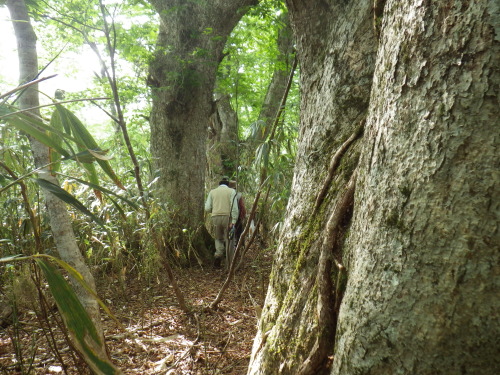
(160,338)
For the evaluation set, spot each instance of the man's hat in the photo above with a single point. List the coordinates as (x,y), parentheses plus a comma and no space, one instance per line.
(225,178)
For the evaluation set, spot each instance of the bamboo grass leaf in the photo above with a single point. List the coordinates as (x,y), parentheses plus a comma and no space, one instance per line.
(68,198)
(83,157)
(88,156)
(57,125)
(93,178)
(11,258)
(262,154)
(103,189)
(79,278)
(6,112)
(118,207)
(79,324)
(62,118)
(30,126)
(101,154)
(84,136)
(55,157)
(71,271)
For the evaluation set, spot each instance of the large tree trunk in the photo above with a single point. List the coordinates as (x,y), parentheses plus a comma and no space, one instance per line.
(421,255)
(336,56)
(422,293)
(60,220)
(182,75)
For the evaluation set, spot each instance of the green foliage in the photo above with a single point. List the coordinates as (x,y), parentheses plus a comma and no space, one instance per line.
(65,134)
(77,320)
(73,125)
(31,125)
(251,56)
(68,198)
(244,74)
(78,26)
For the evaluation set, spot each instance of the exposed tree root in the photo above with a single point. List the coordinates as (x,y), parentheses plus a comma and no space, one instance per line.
(318,359)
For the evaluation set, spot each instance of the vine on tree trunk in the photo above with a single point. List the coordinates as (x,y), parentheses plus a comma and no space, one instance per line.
(319,359)
(334,163)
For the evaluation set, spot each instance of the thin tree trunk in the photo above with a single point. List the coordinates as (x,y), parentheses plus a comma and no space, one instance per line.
(60,220)
(284,65)
(117,106)
(277,119)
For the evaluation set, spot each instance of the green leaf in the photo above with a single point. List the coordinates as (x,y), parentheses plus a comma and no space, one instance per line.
(71,271)
(262,154)
(68,198)
(100,155)
(83,157)
(58,128)
(31,126)
(79,324)
(79,278)
(11,258)
(83,135)
(55,158)
(118,207)
(103,189)
(91,172)
(52,136)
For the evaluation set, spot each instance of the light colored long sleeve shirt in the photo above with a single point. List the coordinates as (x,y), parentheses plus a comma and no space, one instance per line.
(221,201)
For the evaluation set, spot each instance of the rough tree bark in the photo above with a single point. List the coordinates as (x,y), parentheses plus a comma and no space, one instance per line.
(182,74)
(336,56)
(422,293)
(222,146)
(418,259)
(60,221)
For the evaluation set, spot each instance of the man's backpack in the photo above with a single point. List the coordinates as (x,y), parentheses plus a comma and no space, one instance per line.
(241,208)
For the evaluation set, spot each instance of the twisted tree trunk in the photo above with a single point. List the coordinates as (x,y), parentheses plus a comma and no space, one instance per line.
(336,56)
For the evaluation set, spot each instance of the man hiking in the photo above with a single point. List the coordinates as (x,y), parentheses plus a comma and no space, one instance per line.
(221,202)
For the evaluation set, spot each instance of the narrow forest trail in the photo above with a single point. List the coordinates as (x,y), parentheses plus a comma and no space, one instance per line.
(159,337)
